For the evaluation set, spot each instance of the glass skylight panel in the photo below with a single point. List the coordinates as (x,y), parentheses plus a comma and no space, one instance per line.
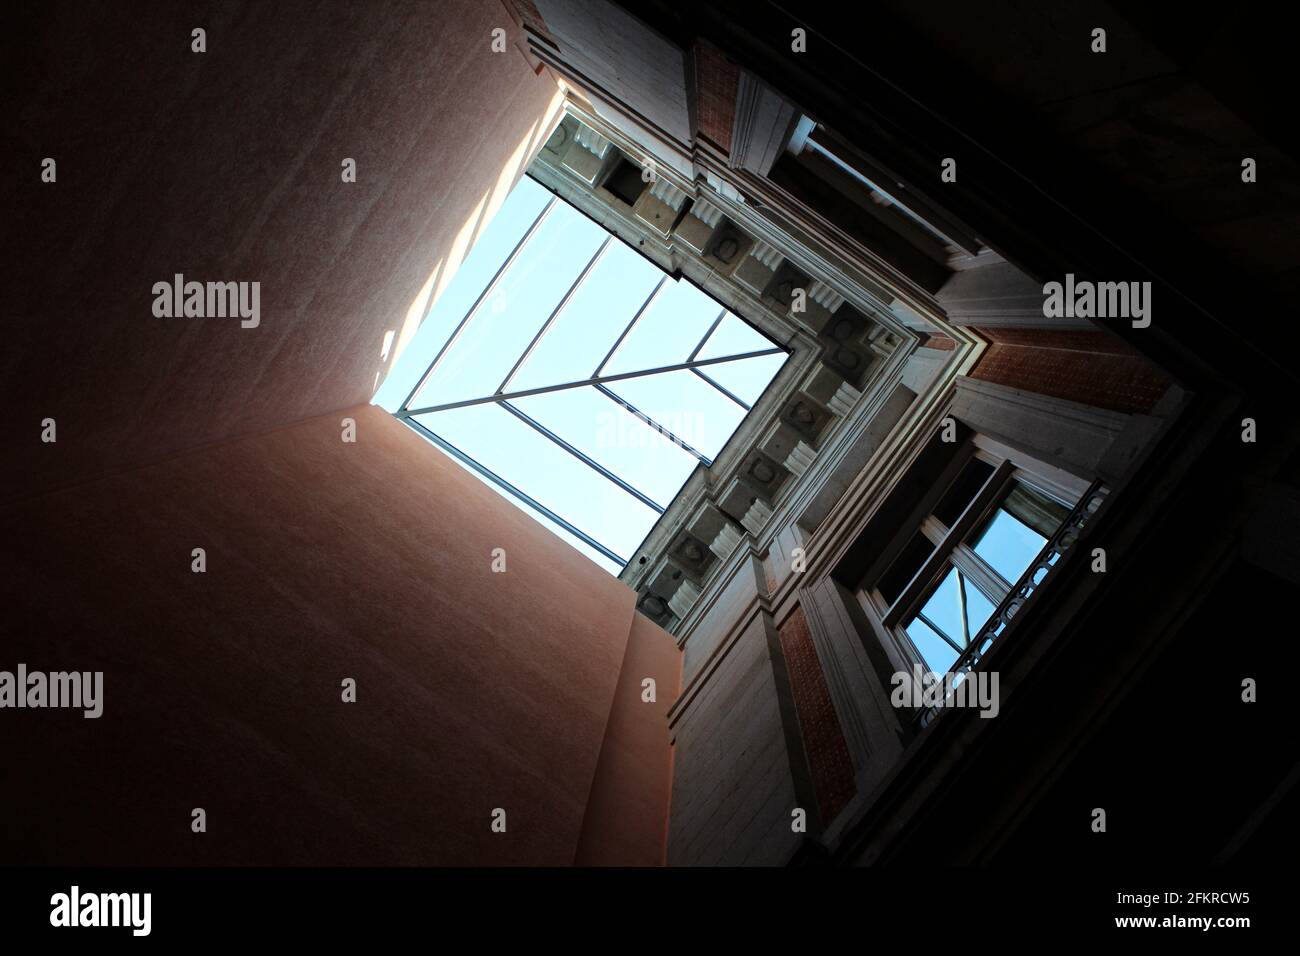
(693,410)
(514,311)
(733,336)
(745,378)
(491,249)
(543,299)
(587,329)
(546,472)
(615,438)
(669,330)
(613,567)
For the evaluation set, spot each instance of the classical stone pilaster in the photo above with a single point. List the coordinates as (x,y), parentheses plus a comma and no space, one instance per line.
(1066,434)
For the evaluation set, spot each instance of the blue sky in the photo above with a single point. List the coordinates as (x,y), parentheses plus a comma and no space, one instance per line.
(675,316)
(1009,546)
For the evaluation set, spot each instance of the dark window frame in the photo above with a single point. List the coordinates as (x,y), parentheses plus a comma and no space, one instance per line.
(951,547)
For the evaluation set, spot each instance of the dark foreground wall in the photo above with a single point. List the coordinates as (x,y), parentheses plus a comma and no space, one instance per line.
(227,166)
(326,560)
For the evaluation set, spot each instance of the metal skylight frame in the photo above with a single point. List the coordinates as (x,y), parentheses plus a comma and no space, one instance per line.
(597,381)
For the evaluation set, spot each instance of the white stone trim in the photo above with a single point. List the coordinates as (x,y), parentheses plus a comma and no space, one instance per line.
(757,515)
(845,397)
(765,254)
(824,295)
(799,460)
(667,193)
(706,212)
(725,541)
(683,598)
(591,141)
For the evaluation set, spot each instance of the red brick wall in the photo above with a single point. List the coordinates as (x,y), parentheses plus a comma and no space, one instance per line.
(716,81)
(823,740)
(1087,367)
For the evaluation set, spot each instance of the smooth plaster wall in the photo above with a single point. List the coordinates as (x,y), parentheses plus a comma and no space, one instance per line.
(325,560)
(627,811)
(226,166)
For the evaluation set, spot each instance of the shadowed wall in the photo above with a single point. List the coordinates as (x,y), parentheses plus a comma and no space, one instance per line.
(227,166)
(325,560)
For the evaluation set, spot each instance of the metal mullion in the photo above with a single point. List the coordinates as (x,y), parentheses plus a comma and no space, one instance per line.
(473,309)
(913,593)
(962,606)
(934,530)
(696,351)
(628,328)
(980,501)
(597,381)
(980,573)
(577,283)
(653,424)
(704,338)
(721,389)
(940,631)
(917,518)
(585,459)
(506,486)
(915,590)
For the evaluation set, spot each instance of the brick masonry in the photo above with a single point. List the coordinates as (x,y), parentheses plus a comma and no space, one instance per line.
(1087,367)
(940,342)
(716,82)
(829,762)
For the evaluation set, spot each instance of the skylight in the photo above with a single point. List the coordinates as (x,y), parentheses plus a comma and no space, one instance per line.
(576,377)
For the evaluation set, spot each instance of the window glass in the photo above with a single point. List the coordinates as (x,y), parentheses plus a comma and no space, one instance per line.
(1011,537)
(955,609)
(938,654)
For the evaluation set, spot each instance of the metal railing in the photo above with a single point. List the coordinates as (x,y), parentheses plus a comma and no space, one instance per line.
(1035,577)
